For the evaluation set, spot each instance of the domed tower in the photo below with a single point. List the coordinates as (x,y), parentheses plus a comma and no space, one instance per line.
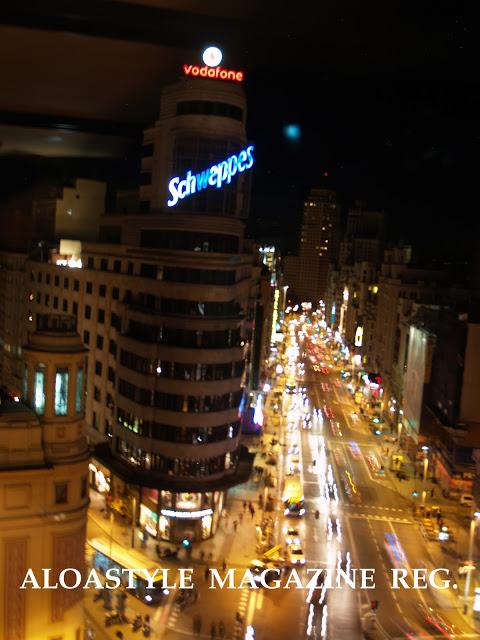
(43,486)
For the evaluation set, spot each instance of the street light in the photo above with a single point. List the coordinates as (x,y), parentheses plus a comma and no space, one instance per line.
(425,469)
(473,523)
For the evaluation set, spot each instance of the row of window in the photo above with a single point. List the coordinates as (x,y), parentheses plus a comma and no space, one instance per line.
(198,276)
(174,306)
(177,402)
(55,302)
(189,240)
(175,466)
(181,435)
(181,370)
(61,390)
(188,338)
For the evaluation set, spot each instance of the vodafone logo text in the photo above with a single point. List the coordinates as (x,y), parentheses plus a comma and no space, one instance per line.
(210,72)
(214,176)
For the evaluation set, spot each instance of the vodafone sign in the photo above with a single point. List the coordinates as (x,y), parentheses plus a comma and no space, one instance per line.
(212,56)
(210,72)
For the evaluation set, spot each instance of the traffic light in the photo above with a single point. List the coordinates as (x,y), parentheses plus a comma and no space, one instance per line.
(373,604)
(414,493)
(186,542)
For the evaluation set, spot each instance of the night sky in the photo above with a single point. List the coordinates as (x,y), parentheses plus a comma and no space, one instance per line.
(386,96)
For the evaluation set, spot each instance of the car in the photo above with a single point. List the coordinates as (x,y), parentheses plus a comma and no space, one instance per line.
(268,569)
(295,554)
(292,535)
(466,499)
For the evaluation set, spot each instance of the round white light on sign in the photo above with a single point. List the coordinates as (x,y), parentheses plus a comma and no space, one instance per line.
(212,56)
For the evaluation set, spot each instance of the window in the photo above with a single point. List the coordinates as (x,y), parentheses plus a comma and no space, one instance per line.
(61,392)
(88,311)
(61,492)
(96,394)
(65,283)
(116,322)
(148,270)
(39,276)
(86,337)
(79,391)
(111,375)
(88,287)
(55,302)
(47,299)
(99,342)
(39,392)
(115,293)
(104,264)
(113,347)
(47,278)
(65,306)
(101,316)
(75,308)
(98,368)
(39,297)
(56,281)
(130,269)
(76,285)
(117,266)
(90,263)
(102,290)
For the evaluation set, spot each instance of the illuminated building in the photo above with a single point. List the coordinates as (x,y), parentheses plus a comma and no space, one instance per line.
(44,485)
(165,301)
(49,212)
(307,273)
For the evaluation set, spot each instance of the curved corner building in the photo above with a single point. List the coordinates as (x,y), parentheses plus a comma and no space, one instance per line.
(181,330)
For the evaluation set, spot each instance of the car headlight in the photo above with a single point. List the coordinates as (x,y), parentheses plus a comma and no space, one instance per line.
(302,561)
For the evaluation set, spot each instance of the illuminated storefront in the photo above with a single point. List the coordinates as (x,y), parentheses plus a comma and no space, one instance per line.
(174,516)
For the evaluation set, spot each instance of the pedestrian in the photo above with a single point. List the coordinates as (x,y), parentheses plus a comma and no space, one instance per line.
(260,501)
(206,573)
(235,524)
(244,505)
(240,517)
(224,564)
(388,450)
(221,629)
(252,511)
(432,491)
(213,631)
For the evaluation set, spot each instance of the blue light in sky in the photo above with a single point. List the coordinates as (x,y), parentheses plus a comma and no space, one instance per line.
(292,132)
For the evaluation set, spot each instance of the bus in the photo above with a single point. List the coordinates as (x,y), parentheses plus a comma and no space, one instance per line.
(293,498)
(108,555)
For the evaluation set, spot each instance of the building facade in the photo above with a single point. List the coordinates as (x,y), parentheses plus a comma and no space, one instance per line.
(166,304)
(44,485)
(307,274)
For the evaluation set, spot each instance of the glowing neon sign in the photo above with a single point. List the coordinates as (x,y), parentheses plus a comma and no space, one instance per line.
(218,73)
(214,176)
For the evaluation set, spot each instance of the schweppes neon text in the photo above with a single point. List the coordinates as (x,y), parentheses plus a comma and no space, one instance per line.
(214,176)
(210,72)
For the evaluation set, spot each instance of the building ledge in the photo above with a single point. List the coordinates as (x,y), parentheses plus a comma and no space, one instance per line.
(135,476)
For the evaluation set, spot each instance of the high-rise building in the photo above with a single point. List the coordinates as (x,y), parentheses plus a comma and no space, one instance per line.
(166,302)
(307,273)
(44,486)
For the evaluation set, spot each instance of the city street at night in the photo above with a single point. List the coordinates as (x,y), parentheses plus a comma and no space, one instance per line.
(239,321)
